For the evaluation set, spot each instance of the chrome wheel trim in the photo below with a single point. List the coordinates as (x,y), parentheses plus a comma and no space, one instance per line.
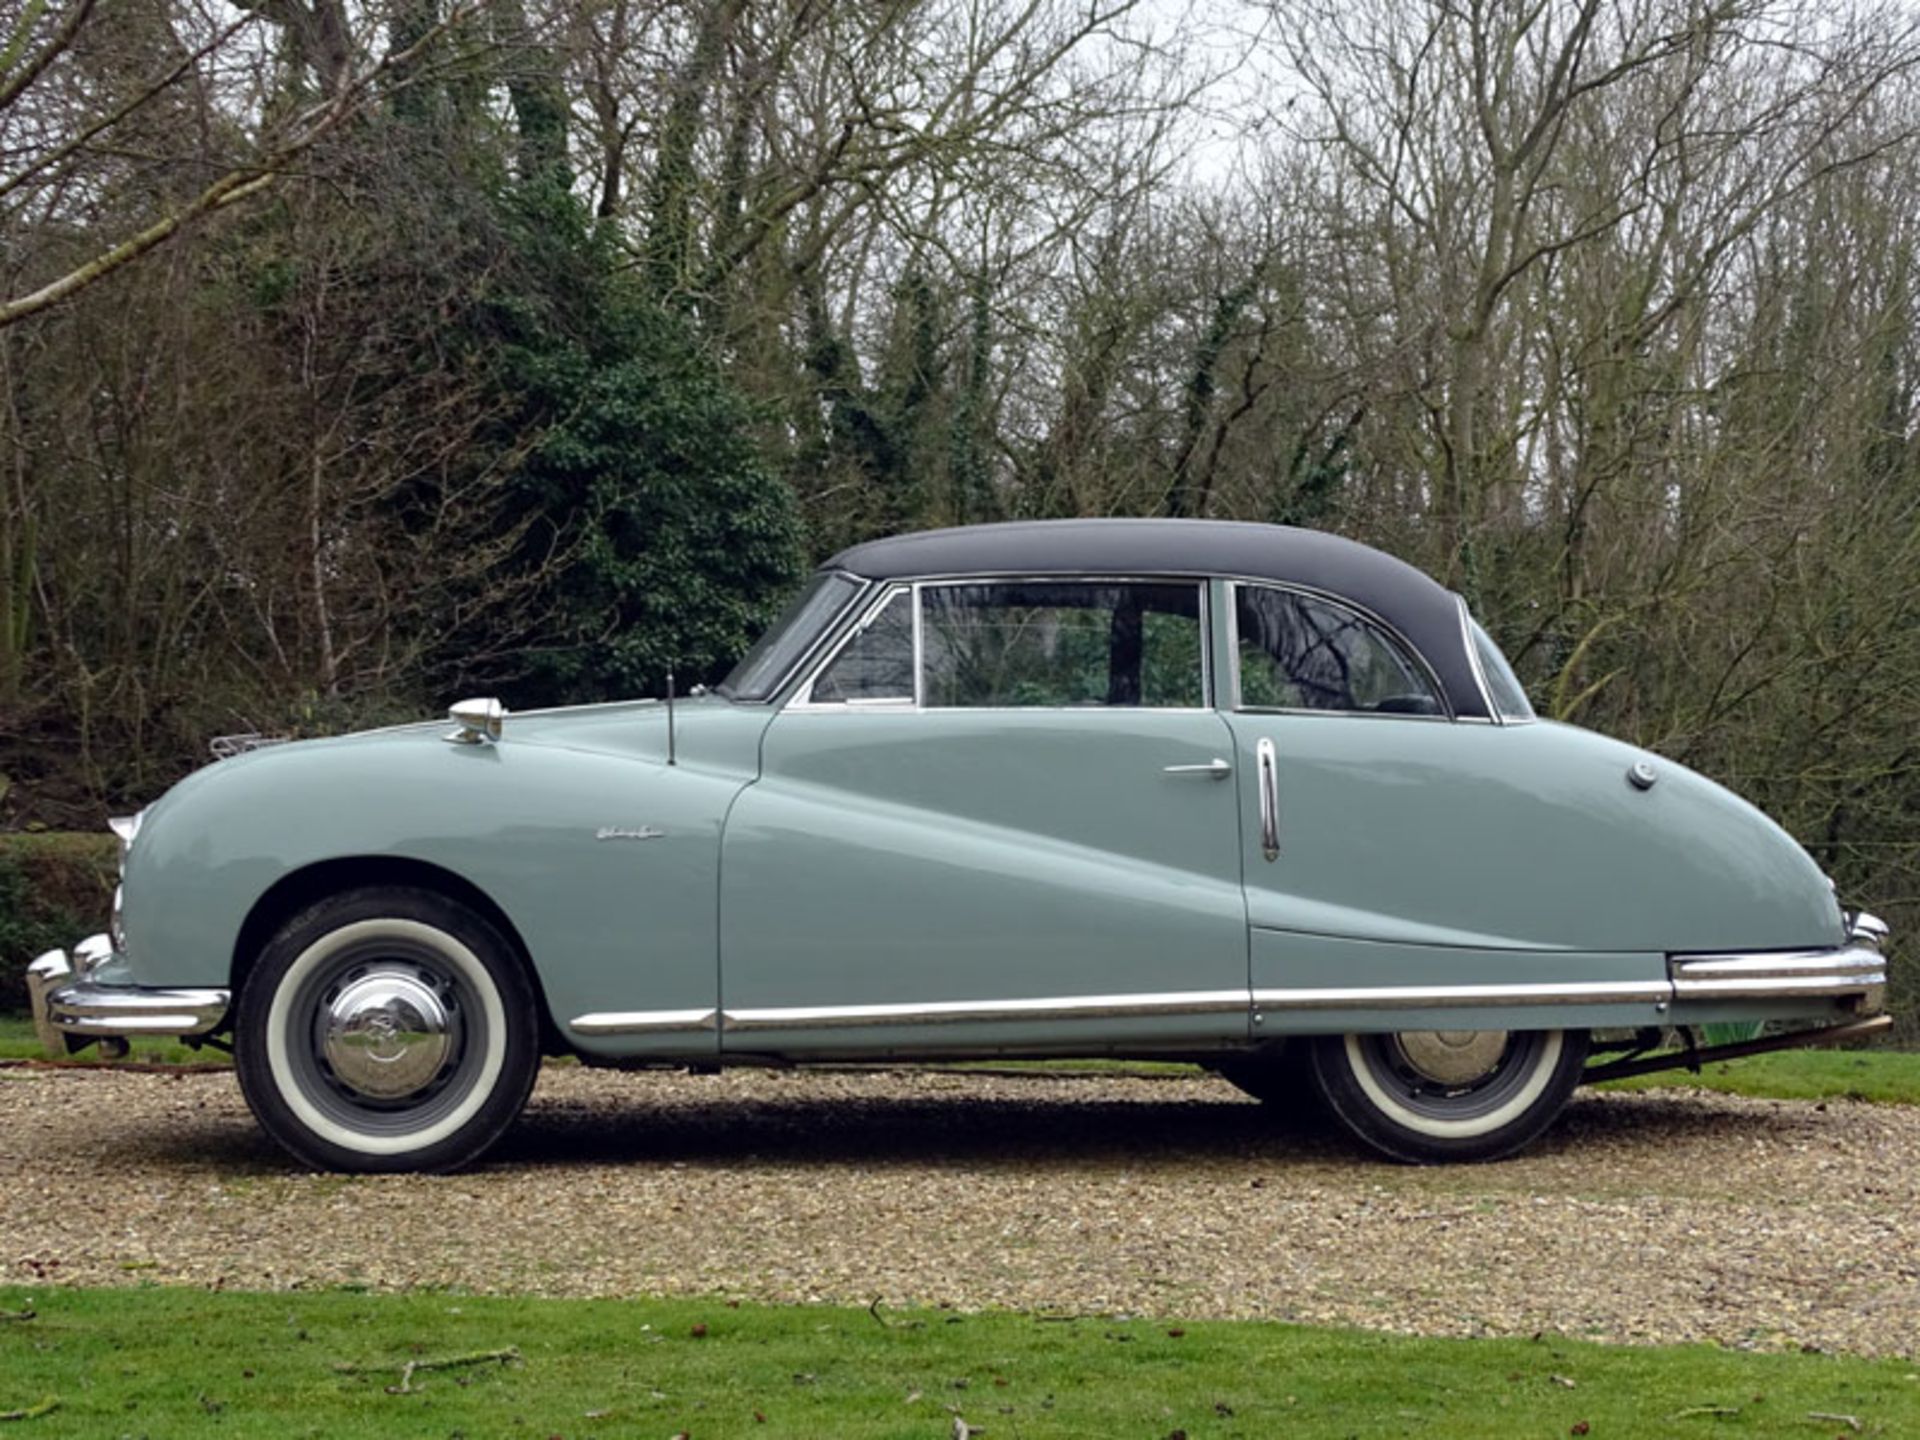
(1500,1095)
(388,1033)
(304,1008)
(1451,1057)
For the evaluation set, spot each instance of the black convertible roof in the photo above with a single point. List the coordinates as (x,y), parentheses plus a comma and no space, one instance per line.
(1411,601)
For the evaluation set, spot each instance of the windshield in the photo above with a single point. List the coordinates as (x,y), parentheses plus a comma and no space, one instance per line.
(790,637)
(1503,686)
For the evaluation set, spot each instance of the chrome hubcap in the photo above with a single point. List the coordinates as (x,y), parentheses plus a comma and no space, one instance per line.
(1452,1057)
(387,1034)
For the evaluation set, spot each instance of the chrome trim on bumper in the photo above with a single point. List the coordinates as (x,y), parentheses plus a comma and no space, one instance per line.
(44,975)
(66,1002)
(1854,970)
(1865,929)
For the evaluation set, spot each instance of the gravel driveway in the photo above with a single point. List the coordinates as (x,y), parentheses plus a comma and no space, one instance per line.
(1675,1216)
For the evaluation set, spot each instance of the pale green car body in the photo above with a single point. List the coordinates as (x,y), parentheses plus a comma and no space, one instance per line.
(785,880)
(970,857)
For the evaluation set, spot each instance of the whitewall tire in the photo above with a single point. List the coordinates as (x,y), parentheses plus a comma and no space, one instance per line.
(386,1028)
(1433,1096)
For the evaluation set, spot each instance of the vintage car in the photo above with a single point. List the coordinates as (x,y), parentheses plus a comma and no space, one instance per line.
(1255,797)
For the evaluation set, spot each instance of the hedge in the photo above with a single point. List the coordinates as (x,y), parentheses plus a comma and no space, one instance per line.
(54,889)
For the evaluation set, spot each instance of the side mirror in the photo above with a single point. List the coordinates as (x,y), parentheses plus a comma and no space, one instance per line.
(478,720)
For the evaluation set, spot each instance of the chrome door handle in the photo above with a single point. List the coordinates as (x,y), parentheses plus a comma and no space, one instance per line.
(1269,802)
(1214,769)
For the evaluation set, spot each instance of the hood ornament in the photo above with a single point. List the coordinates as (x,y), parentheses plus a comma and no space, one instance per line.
(479,720)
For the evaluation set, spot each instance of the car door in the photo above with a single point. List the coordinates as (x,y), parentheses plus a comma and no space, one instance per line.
(1000,815)
(1398,860)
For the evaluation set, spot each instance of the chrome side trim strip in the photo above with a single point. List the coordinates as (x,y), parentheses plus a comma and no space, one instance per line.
(1857,970)
(1853,970)
(1068,1007)
(1422,997)
(643,1022)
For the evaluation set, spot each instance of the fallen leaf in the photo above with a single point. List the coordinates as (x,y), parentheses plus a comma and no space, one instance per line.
(699,1332)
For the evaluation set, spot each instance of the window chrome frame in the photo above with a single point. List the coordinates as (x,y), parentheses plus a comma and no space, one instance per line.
(1497,715)
(887,592)
(1473,661)
(802,701)
(1407,649)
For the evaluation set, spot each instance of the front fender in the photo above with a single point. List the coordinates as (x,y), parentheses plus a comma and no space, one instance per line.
(605,863)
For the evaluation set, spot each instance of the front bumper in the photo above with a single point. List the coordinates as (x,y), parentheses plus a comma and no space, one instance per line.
(71,1008)
(1856,972)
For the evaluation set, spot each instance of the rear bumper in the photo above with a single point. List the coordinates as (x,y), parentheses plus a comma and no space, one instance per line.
(69,1007)
(1855,971)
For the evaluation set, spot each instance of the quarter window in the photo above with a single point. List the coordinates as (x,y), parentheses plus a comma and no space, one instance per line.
(1508,694)
(877,662)
(1062,643)
(1298,652)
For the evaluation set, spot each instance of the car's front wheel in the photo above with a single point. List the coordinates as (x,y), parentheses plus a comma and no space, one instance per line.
(386,1028)
(1433,1096)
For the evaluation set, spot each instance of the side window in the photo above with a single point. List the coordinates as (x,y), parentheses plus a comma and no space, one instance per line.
(1297,652)
(1062,643)
(877,663)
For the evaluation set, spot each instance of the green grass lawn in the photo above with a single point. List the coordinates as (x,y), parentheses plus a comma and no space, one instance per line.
(18,1042)
(176,1362)
(1889,1077)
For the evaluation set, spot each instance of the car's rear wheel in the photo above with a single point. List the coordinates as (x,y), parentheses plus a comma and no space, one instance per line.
(386,1028)
(1433,1096)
